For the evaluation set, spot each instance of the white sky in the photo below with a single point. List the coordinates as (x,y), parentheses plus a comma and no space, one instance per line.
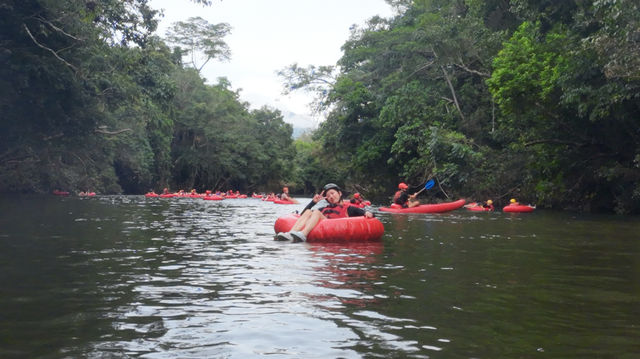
(269,35)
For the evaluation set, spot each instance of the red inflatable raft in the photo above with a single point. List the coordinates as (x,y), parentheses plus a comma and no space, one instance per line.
(349,229)
(518,208)
(213,197)
(279,201)
(425,208)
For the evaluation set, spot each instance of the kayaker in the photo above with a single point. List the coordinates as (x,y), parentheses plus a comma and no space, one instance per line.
(403,198)
(285,195)
(329,204)
(488,205)
(513,202)
(357,199)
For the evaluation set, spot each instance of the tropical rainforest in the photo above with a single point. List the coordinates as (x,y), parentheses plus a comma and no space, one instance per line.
(537,100)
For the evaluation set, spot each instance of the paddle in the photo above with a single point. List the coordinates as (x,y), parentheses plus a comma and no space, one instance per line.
(428,185)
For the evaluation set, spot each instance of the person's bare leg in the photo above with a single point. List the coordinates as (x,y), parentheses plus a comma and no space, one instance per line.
(316,216)
(301,221)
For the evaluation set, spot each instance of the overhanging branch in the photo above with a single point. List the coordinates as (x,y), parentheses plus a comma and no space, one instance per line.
(48,49)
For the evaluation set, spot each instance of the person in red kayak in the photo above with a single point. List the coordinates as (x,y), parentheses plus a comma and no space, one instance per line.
(403,198)
(327,205)
(285,195)
(357,198)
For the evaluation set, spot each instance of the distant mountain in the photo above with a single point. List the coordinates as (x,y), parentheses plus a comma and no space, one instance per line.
(298,131)
(300,123)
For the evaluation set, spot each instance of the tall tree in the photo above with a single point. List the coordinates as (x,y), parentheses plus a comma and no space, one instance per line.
(200,41)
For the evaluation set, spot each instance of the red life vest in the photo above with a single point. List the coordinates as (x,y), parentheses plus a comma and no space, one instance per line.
(396,196)
(336,210)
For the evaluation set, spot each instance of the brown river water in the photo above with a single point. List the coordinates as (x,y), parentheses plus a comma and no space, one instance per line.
(130,277)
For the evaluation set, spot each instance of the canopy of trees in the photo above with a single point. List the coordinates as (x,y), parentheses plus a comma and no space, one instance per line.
(532,99)
(91,99)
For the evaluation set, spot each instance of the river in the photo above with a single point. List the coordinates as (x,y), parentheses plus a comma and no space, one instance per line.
(130,277)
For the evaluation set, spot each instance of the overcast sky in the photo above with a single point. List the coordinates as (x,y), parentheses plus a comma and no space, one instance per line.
(269,35)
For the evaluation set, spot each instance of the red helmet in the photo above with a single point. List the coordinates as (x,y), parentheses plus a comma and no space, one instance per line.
(356,195)
(403,185)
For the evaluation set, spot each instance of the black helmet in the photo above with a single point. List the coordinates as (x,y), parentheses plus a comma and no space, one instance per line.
(329,186)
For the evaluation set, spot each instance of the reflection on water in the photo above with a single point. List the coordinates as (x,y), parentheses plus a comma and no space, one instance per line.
(181,278)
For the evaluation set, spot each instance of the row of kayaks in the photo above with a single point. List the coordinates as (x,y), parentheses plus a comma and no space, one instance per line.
(450,206)
(209,197)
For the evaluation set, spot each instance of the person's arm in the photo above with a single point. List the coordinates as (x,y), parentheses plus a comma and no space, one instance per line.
(316,200)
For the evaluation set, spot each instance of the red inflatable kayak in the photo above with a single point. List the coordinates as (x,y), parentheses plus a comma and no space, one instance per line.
(514,208)
(213,197)
(349,229)
(425,208)
(279,201)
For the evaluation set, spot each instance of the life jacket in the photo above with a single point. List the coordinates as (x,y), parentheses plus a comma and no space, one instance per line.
(397,196)
(336,210)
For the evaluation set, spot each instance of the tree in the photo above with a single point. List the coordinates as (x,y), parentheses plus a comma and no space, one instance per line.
(200,41)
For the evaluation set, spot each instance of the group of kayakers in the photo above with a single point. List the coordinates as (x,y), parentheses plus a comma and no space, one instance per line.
(193,193)
(330,204)
(406,200)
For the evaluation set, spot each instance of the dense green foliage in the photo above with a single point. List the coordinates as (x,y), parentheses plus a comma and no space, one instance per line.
(91,100)
(531,99)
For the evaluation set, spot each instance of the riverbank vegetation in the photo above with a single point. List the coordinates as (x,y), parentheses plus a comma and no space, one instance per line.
(531,99)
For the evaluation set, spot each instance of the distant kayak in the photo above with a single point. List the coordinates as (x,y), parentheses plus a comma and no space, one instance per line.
(348,229)
(521,208)
(279,201)
(425,208)
(213,197)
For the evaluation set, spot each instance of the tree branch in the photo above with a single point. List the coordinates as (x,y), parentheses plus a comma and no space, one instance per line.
(48,49)
(106,132)
(40,18)
(453,91)
(465,68)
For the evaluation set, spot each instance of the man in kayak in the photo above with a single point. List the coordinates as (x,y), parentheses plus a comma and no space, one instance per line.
(285,195)
(403,198)
(357,199)
(329,204)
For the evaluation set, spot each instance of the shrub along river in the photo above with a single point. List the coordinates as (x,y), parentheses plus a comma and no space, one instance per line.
(126,276)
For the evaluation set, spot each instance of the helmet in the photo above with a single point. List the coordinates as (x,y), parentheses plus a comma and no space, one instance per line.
(356,195)
(403,185)
(512,200)
(329,186)
(489,201)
